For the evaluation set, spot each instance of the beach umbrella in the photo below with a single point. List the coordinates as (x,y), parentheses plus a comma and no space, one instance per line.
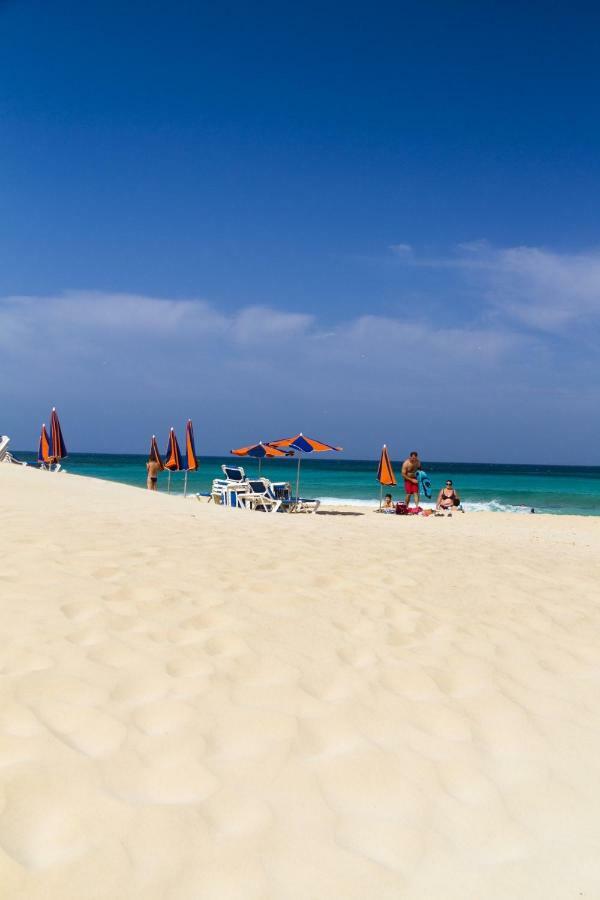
(302,444)
(59,449)
(43,456)
(191,460)
(385,473)
(260,451)
(172,457)
(155,453)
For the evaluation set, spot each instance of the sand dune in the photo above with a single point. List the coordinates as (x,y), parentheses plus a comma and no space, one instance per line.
(204,704)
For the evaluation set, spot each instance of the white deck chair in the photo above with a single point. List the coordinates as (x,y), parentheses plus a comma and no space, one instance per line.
(260,496)
(4,442)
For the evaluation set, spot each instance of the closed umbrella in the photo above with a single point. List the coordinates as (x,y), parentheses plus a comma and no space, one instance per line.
(191,460)
(58,450)
(154,454)
(43,456)
(172,457)
(302,444)
(385,473)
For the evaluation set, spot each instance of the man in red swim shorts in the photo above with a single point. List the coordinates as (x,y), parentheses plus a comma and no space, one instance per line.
(410,467)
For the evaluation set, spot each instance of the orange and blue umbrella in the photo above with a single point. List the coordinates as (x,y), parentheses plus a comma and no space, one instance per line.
(59,449)
(385,473)
(172,456)
(303,444)
(191,458)
(43,456)
(260,451)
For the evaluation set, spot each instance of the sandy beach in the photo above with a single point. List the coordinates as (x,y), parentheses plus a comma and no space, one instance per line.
(206,704)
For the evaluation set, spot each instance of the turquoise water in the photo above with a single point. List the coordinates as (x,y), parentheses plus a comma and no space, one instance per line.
(549,489)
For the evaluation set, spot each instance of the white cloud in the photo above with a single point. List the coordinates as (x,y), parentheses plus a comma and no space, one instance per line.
(403,250)
(539,288)
(543,289)
(121,366)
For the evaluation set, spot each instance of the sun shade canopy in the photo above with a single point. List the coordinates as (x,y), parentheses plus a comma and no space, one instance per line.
(304,444)
(259,451)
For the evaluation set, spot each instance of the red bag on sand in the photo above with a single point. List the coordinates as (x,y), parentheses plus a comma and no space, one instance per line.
(414,511)
(401,509)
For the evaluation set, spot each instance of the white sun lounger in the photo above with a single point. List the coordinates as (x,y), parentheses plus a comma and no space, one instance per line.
(260,496)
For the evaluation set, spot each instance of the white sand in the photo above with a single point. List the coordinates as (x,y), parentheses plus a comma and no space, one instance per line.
(205,704)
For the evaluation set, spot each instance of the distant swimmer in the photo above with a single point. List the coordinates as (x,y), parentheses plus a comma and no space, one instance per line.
(152,468)
(410,467)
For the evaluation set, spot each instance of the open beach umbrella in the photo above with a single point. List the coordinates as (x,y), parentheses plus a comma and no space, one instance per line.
(155,453)
(43,456)
(191,460)
(385,473)
(260,451)
(58,449)
(172,457)
(302,444)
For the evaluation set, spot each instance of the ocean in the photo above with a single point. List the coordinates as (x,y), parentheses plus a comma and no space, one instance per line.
(561,490)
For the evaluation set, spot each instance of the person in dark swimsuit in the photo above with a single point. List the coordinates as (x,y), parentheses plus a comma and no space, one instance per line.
(152,468)
(447,497)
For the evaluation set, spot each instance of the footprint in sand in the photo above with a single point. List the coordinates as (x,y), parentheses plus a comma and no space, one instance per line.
(189,667)
(137,689)
(164,717)
(79,610)
(87,637)
(53,816)
(166,779)
(357,657)
(85,729)
(226,646)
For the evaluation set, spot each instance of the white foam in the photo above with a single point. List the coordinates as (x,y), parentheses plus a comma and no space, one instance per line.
(474,506)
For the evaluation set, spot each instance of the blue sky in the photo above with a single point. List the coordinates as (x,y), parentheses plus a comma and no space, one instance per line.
(372,223)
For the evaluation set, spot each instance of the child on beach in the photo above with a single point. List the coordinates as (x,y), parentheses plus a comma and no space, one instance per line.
(388,504)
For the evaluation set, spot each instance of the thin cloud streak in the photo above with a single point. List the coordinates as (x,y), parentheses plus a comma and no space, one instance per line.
(528,286)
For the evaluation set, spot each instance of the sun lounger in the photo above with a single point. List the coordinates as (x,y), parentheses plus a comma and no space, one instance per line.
(260,496)
(4,442)
(233,473)
(227,493)
(300,505)
(5,456)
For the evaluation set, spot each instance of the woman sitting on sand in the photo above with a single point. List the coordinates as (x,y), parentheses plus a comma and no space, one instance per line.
(447,497)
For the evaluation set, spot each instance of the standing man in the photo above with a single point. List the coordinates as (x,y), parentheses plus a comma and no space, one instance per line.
(410,467)
(153,468)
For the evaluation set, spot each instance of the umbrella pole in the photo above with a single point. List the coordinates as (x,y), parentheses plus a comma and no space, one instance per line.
(380,496)
(259,462)
(185,484)
(169,482)
(298,479)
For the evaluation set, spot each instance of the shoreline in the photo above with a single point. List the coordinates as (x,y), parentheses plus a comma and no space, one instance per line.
(472,506)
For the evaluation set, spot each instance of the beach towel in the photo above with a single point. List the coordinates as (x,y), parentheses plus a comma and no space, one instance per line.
(424,483)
